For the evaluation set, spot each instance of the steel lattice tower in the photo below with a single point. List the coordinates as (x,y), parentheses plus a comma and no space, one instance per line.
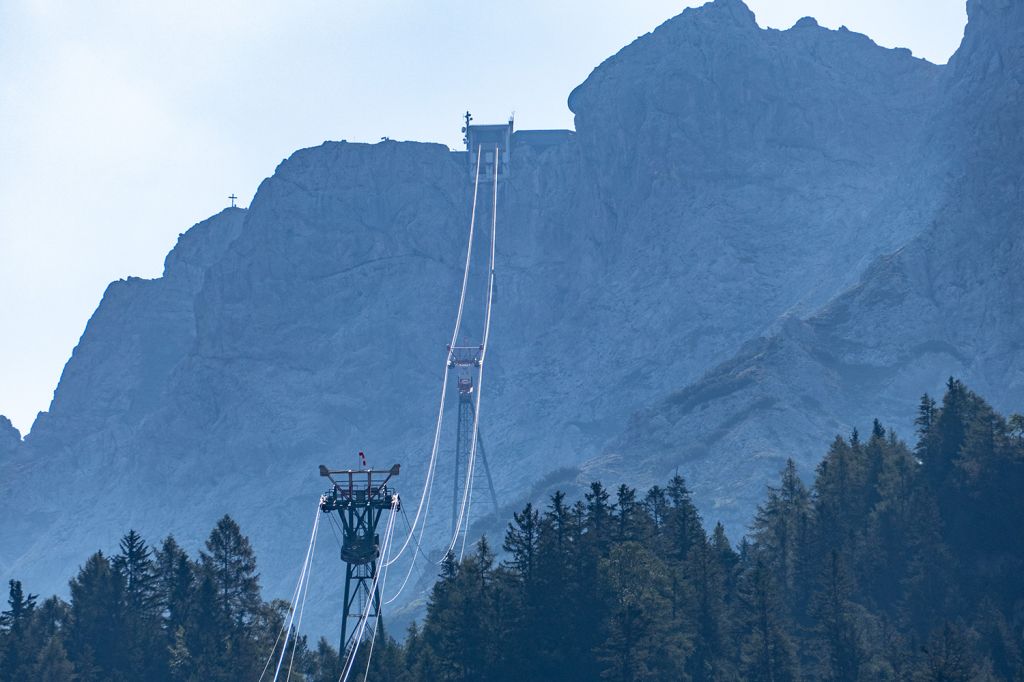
(466,357)
(360,497)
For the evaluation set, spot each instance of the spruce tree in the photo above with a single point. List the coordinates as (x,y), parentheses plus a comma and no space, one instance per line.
(52,664)
(781,530)
(521,541)
(16,647)
(839,646)
(175,582)
(708,616)
(141,609)
(230,567)
(767,650)
(96,630)
(640,641)
(230,564)
(683,525)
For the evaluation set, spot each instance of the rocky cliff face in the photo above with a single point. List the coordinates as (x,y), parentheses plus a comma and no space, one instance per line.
(946,303)
(732,199)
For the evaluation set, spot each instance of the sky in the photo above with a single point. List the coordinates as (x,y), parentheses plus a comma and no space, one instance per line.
(124,123)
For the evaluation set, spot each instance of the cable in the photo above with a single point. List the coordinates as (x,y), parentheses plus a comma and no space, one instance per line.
(480,369)
(418,547)
(302,606)
(302,578)
(373,638)
(424,503)
(295,592)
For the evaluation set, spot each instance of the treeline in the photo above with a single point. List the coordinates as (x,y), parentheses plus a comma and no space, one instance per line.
(156,614)
(896,564)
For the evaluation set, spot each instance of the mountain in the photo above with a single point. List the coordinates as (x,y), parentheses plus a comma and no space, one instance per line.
(945,303)
(705,275)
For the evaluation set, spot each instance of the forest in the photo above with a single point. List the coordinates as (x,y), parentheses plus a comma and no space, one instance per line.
(897,562)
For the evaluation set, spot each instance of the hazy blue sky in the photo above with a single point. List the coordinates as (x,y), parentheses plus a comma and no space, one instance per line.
(123,123)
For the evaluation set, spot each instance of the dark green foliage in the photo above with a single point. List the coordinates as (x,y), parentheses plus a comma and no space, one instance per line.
(897,564)
(140,606)
(144,615)
(16,654)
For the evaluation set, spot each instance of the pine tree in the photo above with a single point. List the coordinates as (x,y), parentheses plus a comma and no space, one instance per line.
(884,564)
(629,516)
(96,629)
(323,665)
(229,565)
(767,651)
(140,606)
(52,663)
(599,513)
(657,507)
(925,420)
(726,557)
(205,653)
(781,528)
(683,524)
(840,650)
(947,656)
(640,640)
(708,615)
(16,654)
(521,541)
(947,435)
(175,582)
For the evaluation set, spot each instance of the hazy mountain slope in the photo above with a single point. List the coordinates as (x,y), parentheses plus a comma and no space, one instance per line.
(116,378)
(721,177)
(948,303)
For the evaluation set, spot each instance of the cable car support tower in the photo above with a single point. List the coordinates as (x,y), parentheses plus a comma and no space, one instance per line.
(465,358)
(360,497)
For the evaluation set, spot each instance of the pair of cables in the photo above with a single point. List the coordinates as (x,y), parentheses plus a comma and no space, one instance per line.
(422,510)
(298,598)
(468,486)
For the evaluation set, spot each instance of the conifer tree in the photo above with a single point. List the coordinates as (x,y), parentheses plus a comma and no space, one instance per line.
(599,513)
(323,665)
(840,650)
(683,525)
(521,541)
(230,564)
(52,664)
(708,615)
(140,606)
(767,651)
(628,516)
(16,654)
(174,585)
(781,529)
(641,641)
(724,553)
(96,621)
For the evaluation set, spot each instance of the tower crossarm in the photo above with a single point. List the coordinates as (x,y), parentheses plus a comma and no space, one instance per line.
(464,356)
(358,488)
